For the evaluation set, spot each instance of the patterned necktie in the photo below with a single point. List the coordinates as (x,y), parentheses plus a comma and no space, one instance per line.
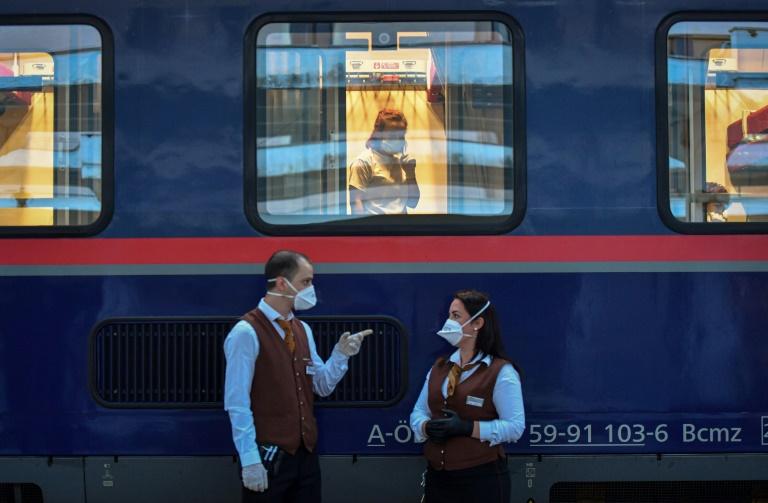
(289,340)
(453,375)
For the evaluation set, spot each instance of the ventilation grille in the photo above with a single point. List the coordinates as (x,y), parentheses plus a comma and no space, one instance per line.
(174,363)
(375,375)
(714,491)
(180,363)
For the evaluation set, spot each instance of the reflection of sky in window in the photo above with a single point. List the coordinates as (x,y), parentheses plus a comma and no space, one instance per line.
(742,34)
(49,38)
(79,68)
(678,206)
(686,71)
(479,65)
(76,49)
(717,28)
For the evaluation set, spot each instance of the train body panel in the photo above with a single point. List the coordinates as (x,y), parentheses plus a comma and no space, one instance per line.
(634,339)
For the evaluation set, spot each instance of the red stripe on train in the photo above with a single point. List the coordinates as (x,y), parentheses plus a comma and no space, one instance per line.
(675,248)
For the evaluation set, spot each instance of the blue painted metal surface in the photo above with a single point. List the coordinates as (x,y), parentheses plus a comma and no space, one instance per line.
(663,351)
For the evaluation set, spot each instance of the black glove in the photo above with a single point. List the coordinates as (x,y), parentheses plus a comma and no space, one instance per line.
(441,430)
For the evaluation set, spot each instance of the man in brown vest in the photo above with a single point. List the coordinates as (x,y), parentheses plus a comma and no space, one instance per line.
(272,371)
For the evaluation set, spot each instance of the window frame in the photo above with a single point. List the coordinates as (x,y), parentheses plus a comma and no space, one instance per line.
(663,196)
(107,128)
(426,224)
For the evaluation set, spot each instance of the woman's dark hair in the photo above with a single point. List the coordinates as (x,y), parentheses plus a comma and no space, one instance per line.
(489,339)
(385,117)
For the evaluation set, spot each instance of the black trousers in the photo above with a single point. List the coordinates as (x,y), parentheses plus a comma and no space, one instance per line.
(297,481)
(488,483)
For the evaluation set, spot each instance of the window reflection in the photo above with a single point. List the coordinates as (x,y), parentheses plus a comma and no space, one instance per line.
(50,125)
(320,153)
(718,117)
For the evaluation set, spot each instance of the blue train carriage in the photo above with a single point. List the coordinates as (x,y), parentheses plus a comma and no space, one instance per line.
(599,168)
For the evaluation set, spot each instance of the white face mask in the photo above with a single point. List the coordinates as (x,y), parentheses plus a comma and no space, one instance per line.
(452,331)
(392,147)
(304,299)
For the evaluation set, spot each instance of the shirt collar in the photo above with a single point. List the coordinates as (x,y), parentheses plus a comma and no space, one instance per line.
(270,312)
(480,356)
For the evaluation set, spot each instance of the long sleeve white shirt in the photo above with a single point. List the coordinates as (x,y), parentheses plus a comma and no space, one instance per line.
(241,349)
(507,399)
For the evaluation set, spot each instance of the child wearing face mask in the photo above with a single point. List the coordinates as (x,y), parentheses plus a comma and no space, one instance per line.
(383,178)
(470,405)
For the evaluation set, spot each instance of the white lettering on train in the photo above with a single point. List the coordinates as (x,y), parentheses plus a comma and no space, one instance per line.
(692,433)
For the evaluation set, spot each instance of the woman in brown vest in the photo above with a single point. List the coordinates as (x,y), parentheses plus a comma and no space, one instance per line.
(470,405)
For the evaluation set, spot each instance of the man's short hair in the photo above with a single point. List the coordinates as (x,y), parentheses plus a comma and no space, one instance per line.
(283,263)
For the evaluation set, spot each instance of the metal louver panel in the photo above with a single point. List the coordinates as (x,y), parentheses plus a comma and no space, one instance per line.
(376,376)
(179,363)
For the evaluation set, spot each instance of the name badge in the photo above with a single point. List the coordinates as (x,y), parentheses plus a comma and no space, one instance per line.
(475,401)
(310,368)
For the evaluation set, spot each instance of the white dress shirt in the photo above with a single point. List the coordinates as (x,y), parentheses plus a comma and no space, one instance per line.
(241,349)
(507,399)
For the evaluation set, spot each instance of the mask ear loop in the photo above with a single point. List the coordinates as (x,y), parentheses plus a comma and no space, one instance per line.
(275,294)
(488,303)
(481,311)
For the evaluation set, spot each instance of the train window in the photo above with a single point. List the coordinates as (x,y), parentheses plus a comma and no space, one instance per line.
(52,105)
(716,124)
(384,126)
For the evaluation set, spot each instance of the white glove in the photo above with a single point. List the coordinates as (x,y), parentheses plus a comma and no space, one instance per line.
(255,477)
(348,344)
